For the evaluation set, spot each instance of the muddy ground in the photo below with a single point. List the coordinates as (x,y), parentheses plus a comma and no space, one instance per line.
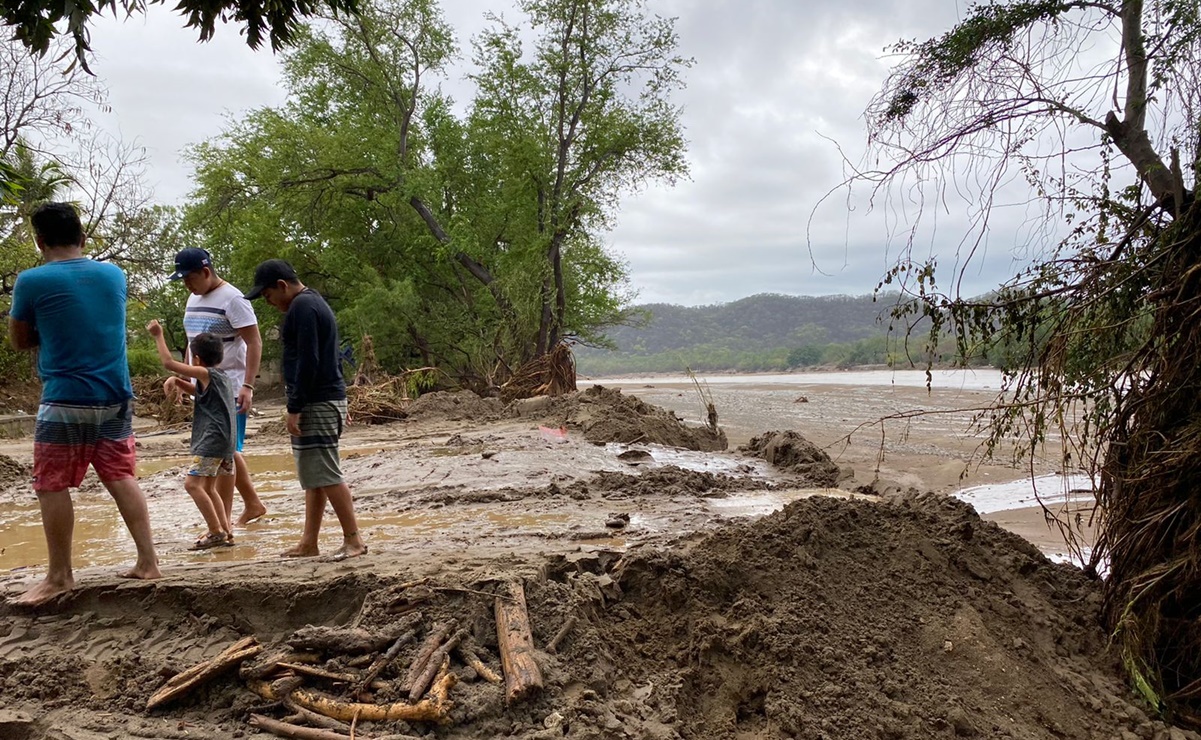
(844,615)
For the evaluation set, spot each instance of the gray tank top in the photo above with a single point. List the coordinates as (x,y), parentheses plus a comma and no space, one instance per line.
(214,417)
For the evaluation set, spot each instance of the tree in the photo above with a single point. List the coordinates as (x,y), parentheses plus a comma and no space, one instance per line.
(385,197)
(36,23)
(586,117)
(50,151)
(1095,105)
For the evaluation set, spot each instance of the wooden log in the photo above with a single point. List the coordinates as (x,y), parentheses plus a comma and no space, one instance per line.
(553,645)
(471,658)
(315,672)
(442,654)
(340,641)
(443,684)
(381,663)
(515,642)
(182,683)
(286,729)
(316,701)
(315,719)
(267,662)
(432,641)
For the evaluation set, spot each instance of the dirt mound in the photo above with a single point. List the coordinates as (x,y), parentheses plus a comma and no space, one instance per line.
(669,481)
(273,428)
(607,415)
(454,406)
(12,473)
(830,619)
(794,454)
(842,619)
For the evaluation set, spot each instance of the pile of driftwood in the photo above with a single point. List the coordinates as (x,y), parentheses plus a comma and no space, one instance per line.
(151,402)
(552,374)
(381,402)
(324,681)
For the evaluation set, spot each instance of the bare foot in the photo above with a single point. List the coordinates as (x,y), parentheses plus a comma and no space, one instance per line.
(142,573)
(346,552)
(300,551)
(44,592)
(250,514)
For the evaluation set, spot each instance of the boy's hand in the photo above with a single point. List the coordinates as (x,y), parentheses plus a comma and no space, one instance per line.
(154,328)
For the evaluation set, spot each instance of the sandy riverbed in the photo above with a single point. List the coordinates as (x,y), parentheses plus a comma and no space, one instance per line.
(841,616)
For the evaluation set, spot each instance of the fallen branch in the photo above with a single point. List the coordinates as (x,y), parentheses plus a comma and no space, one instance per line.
(268,661)
(516,645)
(334,640)
(198,674)
(313,718)
(382,662)
(315,672)
(285,729)
(435,638)
(316,701)
(434,664)
(553,645)
(445,682)
(471,658)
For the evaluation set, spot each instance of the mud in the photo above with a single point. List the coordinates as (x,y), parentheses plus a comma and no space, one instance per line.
(607,415)
(791,452)
(12,473)
(852,617)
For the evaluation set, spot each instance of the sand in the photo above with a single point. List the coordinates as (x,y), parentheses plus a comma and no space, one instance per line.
(896,613)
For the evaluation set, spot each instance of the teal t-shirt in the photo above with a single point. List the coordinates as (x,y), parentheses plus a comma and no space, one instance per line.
(77,308)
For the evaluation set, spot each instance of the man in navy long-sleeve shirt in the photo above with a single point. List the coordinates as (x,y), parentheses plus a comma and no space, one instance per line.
(316,403)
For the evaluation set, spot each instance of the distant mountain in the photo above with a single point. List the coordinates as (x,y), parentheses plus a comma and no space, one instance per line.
(760,322)
(741,335)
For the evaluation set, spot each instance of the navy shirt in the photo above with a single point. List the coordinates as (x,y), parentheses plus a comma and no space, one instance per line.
(312,370)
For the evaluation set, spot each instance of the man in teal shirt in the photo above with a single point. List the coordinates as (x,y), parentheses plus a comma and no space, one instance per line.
(71,309)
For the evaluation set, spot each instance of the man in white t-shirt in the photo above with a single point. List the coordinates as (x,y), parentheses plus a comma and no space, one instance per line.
(217,307)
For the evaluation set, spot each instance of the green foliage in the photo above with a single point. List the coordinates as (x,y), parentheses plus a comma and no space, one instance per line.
(144,362)
(1098,336)
(421,380)
(465,242)
(937,64)
(37,22)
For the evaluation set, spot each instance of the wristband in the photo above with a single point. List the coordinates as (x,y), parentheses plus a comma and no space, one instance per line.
(248,385)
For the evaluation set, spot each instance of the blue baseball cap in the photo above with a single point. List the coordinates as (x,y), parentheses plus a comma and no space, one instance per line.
(190,260)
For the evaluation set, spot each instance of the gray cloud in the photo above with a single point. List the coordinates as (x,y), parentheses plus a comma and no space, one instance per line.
(776,83)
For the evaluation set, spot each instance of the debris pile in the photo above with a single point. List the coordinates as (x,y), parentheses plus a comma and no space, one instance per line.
(151,402)
(552,374)
(400,669)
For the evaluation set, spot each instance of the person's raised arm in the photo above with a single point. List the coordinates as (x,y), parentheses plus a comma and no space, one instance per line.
(164,355)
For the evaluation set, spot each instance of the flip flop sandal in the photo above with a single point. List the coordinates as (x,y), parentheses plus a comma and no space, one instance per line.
(228,541)
(209,541)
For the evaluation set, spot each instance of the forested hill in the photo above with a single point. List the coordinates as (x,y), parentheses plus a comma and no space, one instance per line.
(762,332)
(763,321)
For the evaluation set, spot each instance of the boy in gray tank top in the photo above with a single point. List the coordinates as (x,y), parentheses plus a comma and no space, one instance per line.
(213,428)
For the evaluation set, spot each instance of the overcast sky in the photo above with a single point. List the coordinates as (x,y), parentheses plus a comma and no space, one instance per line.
(775,84)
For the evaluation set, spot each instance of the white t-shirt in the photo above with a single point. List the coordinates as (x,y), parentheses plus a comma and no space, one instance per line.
(222,311)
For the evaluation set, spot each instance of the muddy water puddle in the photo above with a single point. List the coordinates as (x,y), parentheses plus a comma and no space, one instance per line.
(384,480)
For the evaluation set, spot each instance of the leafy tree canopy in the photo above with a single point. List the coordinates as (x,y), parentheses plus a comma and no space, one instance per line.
(37,23)
(1094,106)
